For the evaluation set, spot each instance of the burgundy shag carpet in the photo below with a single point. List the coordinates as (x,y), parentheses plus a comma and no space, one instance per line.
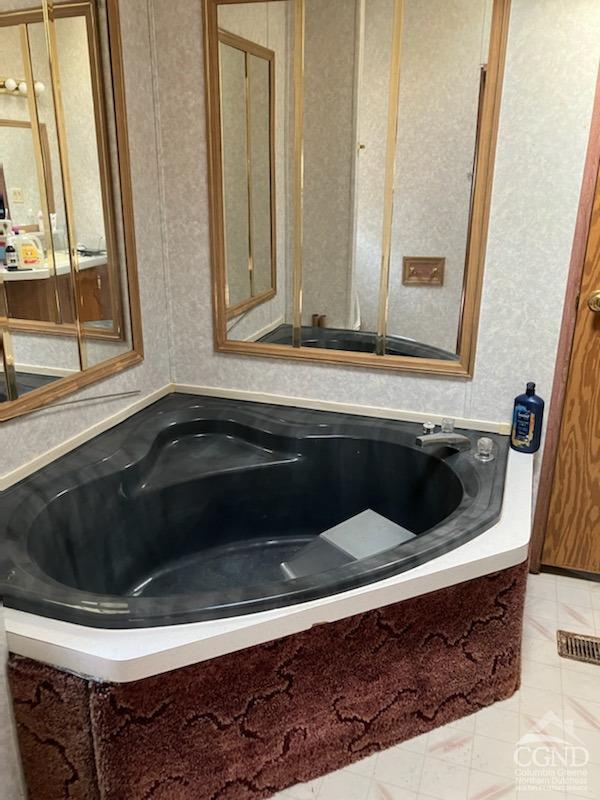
(249,724)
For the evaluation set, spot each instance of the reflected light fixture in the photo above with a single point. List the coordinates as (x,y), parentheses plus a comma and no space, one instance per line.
(19,87)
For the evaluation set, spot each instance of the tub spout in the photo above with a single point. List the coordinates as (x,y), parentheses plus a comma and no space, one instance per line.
(454,440)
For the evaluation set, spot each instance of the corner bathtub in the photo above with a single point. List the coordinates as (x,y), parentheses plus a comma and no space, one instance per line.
(160,542)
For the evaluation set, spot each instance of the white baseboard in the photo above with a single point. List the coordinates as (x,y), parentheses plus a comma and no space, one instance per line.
(265,330)
(344,408)
(10,478)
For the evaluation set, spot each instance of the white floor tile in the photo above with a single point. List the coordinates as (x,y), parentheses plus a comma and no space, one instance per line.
(590,739)
(493,756)
(444,781)
(464,724)
(592,790)
(581,667)
(542,608)
(450,744)
(542,586)
(485,786)
(385,791)
(304,791)
(572,593)
(416,745)
(541,651)
(345,785)
(577,619)
(498,724)
(584,713)
(400,767)
(538,702)
(364,767)
(581,684)
(541,676)
(537,628)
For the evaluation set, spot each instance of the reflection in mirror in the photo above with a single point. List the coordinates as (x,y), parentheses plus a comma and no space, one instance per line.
(383,107)
(247,87)
(70,296)
(444,47)
(253,41)
(37,284)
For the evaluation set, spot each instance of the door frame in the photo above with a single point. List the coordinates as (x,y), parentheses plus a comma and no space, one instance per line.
(567,331)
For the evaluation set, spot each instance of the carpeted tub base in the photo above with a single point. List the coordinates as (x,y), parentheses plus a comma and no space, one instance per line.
(249,724)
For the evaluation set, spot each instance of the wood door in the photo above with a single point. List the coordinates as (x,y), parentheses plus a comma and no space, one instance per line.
(573,531)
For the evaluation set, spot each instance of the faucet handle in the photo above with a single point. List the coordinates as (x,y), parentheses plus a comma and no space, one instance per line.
(447,425)
(485,450)
(428,428)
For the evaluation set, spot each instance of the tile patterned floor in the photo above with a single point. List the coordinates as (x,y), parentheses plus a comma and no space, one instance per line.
(473,759)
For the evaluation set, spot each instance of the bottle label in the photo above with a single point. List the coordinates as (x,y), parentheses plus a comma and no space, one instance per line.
(523,426)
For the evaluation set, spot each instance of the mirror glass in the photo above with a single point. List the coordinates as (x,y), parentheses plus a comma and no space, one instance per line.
(34,296)
(66,294)
(389,105)
(444,53)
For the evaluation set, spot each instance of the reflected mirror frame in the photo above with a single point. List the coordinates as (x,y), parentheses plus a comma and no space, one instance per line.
(39,398)
(478,226)
(252,49)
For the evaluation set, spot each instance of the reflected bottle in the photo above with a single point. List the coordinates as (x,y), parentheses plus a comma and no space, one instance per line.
(528,417)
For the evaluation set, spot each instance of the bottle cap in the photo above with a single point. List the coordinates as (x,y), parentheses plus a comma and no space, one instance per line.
(531,388)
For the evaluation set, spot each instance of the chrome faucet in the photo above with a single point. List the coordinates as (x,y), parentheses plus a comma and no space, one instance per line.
(455,440)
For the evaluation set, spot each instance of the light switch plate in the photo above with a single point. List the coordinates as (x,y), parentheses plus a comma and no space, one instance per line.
(423,271)
(16,195)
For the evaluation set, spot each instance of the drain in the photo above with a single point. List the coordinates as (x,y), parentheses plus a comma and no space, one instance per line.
(578,647)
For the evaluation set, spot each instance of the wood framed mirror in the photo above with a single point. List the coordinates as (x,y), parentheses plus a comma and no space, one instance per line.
(386,116)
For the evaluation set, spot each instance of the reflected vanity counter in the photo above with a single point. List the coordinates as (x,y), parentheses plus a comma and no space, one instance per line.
(30,293)
(63,267)
(275,591)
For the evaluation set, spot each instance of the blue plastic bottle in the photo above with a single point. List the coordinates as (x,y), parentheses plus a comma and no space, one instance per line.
(527,421)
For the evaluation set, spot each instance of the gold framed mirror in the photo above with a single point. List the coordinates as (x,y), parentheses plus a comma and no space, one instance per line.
(69,300)
(386,116)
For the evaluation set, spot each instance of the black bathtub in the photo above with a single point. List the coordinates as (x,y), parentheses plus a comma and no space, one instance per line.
(191,509)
